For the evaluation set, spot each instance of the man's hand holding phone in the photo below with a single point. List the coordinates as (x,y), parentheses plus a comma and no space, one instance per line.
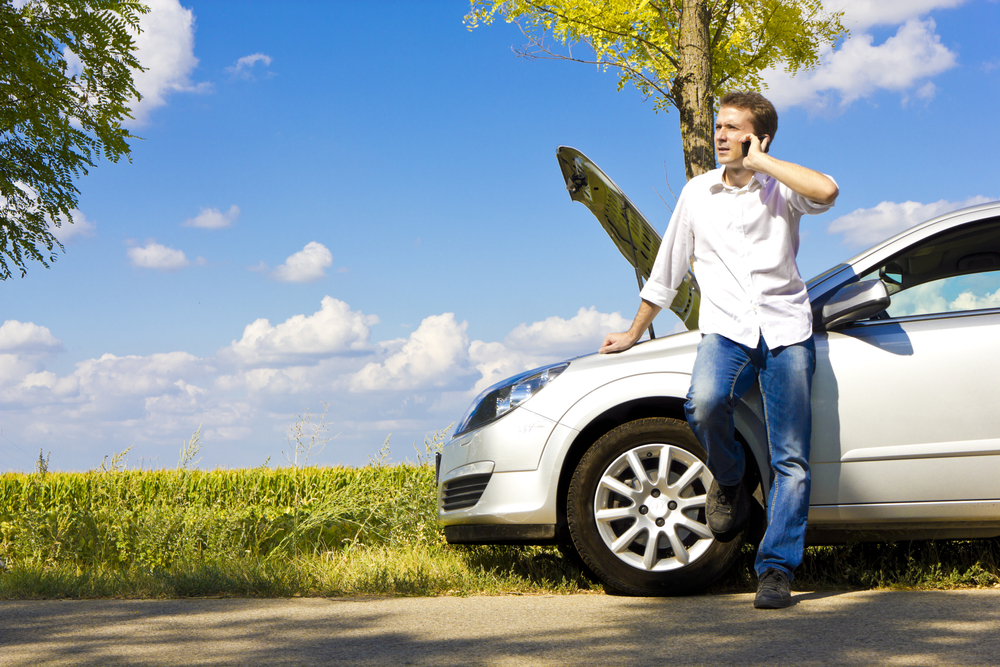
(763,142)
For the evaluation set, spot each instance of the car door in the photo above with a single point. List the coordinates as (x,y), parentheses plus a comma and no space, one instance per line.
(906,403)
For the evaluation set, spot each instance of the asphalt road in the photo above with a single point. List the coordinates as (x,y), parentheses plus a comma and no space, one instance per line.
(859,628)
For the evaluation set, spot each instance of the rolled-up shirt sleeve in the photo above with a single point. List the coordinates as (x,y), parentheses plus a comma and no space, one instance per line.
(805,205)
(672,260)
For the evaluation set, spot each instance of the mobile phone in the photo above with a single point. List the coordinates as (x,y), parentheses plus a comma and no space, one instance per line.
(746,145)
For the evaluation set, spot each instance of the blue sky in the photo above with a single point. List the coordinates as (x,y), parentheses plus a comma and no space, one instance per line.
(331,205)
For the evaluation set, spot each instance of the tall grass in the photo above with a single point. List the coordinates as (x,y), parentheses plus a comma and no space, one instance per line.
(287,531)
(114,532)
(153,519)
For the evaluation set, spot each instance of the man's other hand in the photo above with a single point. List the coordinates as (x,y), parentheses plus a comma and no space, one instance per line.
(617,342)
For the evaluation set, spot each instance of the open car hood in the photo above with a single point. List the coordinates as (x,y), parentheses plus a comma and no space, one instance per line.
(632,234)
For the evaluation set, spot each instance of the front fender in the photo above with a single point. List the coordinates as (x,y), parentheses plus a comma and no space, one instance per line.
(624,390)
(747,416)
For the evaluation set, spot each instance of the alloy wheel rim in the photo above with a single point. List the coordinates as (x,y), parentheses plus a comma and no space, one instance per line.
(654,494)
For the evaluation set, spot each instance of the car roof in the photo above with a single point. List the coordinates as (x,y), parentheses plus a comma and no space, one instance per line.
(934,225)
(835,275)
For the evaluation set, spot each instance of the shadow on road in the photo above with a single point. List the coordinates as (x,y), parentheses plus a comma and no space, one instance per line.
(859,628)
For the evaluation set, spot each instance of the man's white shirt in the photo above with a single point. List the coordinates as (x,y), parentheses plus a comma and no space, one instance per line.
(741,245)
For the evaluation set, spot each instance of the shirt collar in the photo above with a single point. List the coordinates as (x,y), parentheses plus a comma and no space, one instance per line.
(758,181)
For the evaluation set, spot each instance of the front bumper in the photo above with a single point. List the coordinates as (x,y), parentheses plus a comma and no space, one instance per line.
(501,534)
(511,498)
(492,478)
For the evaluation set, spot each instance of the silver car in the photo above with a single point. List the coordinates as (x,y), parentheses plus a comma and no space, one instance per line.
(594,453)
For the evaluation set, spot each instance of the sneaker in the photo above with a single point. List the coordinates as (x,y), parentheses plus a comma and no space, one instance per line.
(773,590)
(727,508)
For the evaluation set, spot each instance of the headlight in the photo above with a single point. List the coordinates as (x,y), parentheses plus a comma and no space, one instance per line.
(504,396)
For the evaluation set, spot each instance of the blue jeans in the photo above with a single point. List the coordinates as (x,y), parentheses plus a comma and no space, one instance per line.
(723,372)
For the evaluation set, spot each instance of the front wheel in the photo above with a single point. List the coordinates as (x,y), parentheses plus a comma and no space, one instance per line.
(636,511)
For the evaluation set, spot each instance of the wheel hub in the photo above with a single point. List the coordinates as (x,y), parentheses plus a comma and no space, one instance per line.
(658,507)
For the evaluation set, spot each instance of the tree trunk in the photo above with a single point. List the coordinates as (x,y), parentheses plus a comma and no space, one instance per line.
(692,89)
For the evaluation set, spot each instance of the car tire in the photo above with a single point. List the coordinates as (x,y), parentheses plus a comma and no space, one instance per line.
(619,497)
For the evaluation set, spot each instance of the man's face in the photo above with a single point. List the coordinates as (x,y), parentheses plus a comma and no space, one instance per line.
(730,126)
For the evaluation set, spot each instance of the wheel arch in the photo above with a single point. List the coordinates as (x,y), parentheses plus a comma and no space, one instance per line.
(650,406)
(638,397)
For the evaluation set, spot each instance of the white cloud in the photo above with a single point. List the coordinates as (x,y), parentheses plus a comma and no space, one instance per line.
(306,266)
(971,301)
(212,218)
(66,232)
(135,375)
(27,338)
(553,339)
(926,298)
(334,329)
(232,433)
(166,49)
(80,228)
(14,368)
(435,355)
(581,334)
(182,402)
(929,298)
(242,68)
(927,91)
(245,395)
(109,388)
(860,14)
(867,226)
(860,68)
(494,362)
(156,256)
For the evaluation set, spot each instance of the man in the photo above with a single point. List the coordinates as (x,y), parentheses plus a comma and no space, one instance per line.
(737,226)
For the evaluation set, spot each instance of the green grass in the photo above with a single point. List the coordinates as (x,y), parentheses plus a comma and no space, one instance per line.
(317,531)
(372,530)
(368,571)
(873,565)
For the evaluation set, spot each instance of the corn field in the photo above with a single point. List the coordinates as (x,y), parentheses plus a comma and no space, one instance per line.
(154,519)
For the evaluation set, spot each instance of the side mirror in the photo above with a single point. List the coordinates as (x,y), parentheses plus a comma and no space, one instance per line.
(854,302)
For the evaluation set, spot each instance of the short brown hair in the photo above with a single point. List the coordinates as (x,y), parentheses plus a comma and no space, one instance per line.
(762,113)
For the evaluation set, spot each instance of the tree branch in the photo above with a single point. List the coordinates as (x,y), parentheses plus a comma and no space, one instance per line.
(652,60)
(624,36)
(551,55)
(669,32)
(765,45)
(722,22)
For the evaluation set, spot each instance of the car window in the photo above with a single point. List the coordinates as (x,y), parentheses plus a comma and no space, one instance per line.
(954,272)
(948,295)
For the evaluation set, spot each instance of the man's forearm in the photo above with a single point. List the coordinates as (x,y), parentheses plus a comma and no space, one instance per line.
(647,313)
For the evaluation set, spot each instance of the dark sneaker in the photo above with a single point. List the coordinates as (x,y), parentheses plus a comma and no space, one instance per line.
(727,508)
(773,590)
